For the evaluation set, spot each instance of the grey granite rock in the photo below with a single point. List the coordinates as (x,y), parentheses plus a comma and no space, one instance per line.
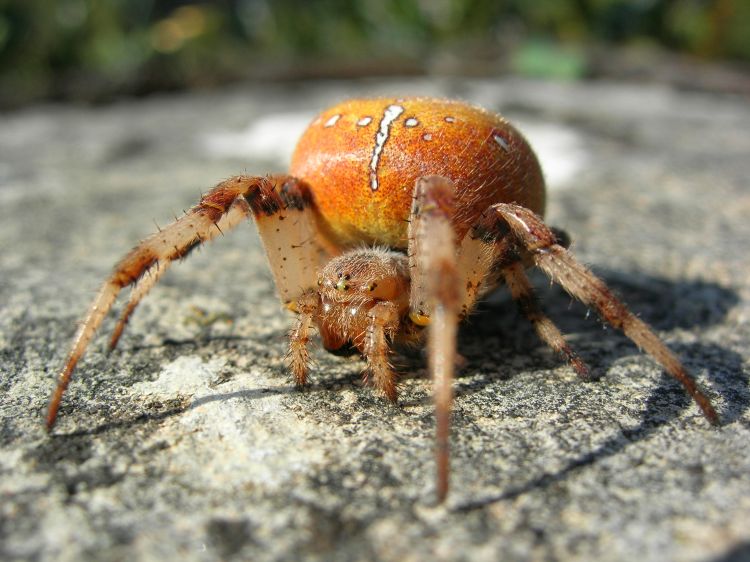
(190,442)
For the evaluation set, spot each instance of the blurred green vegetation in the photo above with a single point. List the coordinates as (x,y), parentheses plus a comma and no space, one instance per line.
(95,49)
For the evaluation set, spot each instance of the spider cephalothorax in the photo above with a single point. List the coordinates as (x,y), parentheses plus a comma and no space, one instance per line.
(351,285)
(361,301)
(395,217)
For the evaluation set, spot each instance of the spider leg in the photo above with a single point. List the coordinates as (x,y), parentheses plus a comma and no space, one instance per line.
(269,198)
(523,293)
(238,212)
(436,299)
(140,289)
(383,325)
(299,358)
(294,246)
(541,244)
(477,258)
(487,258)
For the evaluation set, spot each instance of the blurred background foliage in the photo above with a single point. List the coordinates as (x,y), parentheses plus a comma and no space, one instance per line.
(94,50)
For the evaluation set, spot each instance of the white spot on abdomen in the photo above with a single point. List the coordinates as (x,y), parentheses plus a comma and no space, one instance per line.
(427,136)
(450,119)
(364,121)
(332,121)
(502,142)
(411,122)
(384,130)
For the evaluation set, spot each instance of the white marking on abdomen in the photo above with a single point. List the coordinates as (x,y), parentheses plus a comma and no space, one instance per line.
(502,142)
(332,121)
(389,116)
(364,121)
(411,122)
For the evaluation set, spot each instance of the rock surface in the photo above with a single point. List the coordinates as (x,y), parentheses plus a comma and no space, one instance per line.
(190,441)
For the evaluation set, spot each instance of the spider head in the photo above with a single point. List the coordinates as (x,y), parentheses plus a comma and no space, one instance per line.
(365,274)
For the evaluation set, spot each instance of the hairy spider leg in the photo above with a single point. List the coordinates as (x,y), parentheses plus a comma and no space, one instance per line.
(237,213)
(487,259)
(271,199)
(307,306)
(507,239)
(436,299)
(541,243)
(383,326)
(295,247)
(523,293)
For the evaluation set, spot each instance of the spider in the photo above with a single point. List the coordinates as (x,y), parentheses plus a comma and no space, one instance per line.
(396,216)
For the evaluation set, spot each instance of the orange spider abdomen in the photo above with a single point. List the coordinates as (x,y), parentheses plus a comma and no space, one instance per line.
(361,159)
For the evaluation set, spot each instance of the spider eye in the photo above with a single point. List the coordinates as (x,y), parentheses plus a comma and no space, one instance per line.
(342,284)
(372,286)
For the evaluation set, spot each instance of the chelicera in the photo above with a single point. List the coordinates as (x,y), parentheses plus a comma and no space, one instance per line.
(395,217)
